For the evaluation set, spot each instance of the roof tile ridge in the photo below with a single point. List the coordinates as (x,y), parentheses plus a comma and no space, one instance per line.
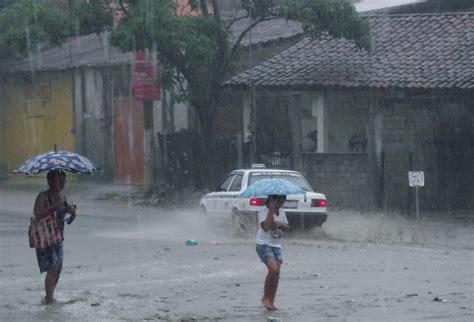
(424,14)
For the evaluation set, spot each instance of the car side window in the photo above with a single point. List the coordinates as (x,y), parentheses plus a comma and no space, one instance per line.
(237,183)
(225,184)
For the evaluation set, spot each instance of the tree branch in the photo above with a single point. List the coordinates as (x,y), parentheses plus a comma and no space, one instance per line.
(242,35)
(235,20)
(180,84)
(204,10)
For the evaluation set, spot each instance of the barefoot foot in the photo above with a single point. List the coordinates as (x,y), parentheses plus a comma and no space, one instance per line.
(47,301)
(266,304)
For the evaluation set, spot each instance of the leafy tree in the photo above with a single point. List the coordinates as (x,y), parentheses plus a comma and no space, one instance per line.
(24,25)
(5,3)
(27,24)
(89,17)
(197,51)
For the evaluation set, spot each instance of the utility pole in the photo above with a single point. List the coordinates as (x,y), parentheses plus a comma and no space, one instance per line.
(253,110)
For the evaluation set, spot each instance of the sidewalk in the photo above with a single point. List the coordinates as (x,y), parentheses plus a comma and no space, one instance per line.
(95,198)
(73,185)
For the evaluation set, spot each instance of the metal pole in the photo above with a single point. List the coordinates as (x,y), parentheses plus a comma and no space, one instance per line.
(253,111)
(417,205)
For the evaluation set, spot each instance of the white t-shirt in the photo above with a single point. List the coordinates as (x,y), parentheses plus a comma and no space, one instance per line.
(271,237)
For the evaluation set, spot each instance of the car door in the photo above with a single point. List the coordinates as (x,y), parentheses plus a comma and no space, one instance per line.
(231,196)
(215,203)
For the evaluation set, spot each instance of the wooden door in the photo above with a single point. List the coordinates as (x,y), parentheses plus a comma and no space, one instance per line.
(128,141)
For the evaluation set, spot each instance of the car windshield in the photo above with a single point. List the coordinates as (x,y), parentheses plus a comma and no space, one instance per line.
(293,177)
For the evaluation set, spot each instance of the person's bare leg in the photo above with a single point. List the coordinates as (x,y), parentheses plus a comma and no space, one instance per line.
(57,279)
(271,284)
(275,286)
(50,281)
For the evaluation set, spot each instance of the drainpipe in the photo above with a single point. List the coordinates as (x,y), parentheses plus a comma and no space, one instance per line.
(294,117)
(375,151)
(149,144)
(83,109)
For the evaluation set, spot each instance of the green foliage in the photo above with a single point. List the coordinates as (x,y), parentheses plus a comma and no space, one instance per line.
(337,17)
(260,8)
(90,18)
(26,25)
(148,23)
(195,4)
(198,47)
(5,3)
(195,46)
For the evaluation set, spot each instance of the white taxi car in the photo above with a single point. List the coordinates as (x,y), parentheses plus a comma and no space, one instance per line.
(303,211)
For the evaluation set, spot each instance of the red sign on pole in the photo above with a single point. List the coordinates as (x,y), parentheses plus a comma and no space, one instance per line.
(145,87)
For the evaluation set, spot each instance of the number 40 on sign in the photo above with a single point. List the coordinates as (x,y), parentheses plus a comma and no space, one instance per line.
(416,178)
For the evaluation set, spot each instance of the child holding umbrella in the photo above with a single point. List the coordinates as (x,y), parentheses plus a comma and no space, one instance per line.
(271,222)
(50,259)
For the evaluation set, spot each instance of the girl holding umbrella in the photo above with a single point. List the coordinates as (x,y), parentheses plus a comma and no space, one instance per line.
(50,259)
(52,202)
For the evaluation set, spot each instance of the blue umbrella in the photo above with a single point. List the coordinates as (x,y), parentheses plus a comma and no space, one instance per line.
(273,186)
(54,160)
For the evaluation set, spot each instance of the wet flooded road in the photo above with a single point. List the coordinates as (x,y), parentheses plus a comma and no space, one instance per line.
(137,267)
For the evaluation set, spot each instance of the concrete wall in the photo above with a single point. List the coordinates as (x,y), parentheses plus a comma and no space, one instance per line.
(92,117)
(347,114)
(434,135)
(180,117)
(344,178)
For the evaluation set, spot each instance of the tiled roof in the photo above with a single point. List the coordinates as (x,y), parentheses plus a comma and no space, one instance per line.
(408,51)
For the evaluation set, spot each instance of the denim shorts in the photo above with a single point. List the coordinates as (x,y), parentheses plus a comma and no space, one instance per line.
(266,252)
(51,257)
